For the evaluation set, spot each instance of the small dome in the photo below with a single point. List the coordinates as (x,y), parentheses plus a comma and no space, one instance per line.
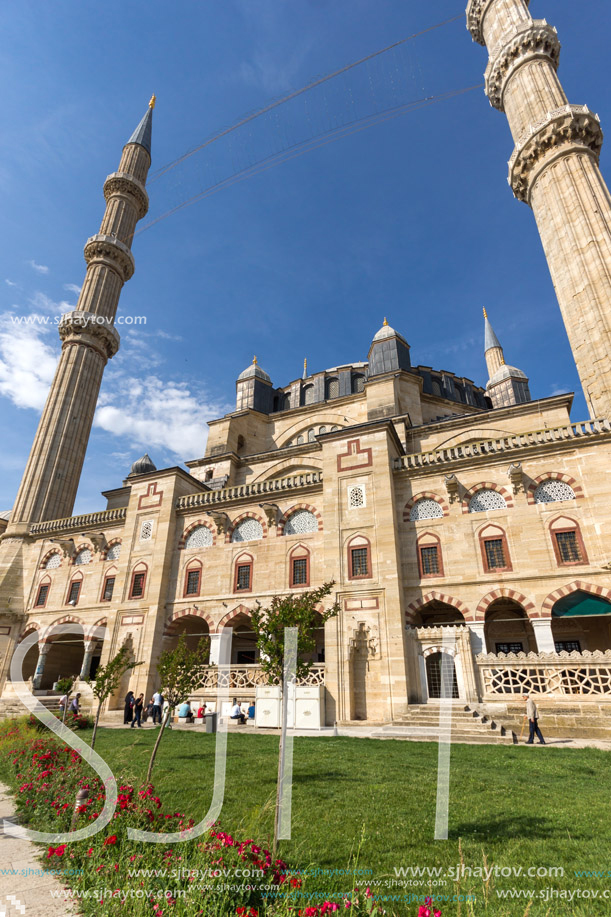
(254,371)
(144,465)
(386,332)
(507,372)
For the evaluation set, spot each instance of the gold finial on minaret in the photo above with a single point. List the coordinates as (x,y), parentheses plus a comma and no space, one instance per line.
(385,323)
(305,367)
(485,313)
(152,101)
(254,360)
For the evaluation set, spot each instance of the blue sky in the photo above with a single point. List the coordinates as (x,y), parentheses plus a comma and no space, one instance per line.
(411,219)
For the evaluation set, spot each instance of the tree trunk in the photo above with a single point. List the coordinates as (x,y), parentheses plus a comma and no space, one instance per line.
(95,725)
(161,731)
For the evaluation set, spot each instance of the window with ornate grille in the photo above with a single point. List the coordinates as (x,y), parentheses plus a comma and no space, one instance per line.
(300,571)
(429,560)
(495,554)
(75,591)
(109,586)
(360,561)
(567,646)
(43,592)
(192,582)
(569,549)
(137,590)
(243,577)
(503,649)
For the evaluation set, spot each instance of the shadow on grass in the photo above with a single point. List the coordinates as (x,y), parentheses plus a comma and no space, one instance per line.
(502,827)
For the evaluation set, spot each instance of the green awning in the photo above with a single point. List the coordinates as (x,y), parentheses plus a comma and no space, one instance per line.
(580,605)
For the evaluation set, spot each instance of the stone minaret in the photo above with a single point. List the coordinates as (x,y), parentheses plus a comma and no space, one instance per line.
(554,169)
(507,384)
(89,340)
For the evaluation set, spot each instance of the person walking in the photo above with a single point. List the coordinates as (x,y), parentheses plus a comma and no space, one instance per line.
(138,705)
(157,703)
(128,710)
(75,705)
(532,715)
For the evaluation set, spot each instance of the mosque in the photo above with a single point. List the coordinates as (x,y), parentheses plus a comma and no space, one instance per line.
(438,507)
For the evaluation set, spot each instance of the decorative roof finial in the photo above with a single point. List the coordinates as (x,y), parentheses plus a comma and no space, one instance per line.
(153,100)
(305,367)
(254,360)
(385,323)
(485,313)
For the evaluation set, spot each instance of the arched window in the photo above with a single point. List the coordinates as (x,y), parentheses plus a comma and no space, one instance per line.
(567,542)
(436,388)
(43,592)
(332,388)
(193,579)
(301,522)
(553,492)
(242,580)
(53,561)
(109,586)
(287,402)
(307,394)
(322,431)
(138,583)
(430,561)
(359,558)
(311,436)
(83,557)
(299,567)
(357,382)
(425,509)
(74,590)
(335,428)
(276,403)
(114,551)
(485,500)
(199,537)
(247,530)
(300,439)
(495,552)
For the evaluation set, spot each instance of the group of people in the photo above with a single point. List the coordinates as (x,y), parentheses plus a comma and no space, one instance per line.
(237,713)
(74,706)
(135,711)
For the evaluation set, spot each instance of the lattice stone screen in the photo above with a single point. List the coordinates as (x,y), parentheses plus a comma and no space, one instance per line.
(301,522)
(247,530)
(484,500)
(200,537)
(114,551)
(83,557)
(425,509)
(559,674)
(553,492)
(249,676)
(53,562)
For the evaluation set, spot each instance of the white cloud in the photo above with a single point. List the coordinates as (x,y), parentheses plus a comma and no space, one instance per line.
(10,283)
(27,363)
(44,303)
(72,288)
(41,268)
(153,413)
(558,390)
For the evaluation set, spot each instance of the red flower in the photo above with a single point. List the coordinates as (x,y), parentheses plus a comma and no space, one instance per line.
(110,840)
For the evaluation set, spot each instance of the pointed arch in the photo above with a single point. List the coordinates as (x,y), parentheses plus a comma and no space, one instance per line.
(424,495)
(299,573)
(575,586)
(47,557)
(101,622)
(293,509)
(553,476)
(249,514)
(195,525)
(168,629)
(415,607)
(29,628)
(231,615)
(111,544)
(502,592)
(486,485)
(66,619)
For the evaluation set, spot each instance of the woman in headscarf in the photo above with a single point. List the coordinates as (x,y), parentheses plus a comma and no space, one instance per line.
(128,713)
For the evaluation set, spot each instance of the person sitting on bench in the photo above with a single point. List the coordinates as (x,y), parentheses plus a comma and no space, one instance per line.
(185,712)
(236,712)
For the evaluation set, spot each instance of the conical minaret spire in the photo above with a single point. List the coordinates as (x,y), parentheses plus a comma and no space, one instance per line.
(89,340)
(507,385)
(554,169)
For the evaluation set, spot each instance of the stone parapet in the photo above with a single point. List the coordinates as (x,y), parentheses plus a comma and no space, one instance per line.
(534,40)
(104,517)
(247,491)
(569,129)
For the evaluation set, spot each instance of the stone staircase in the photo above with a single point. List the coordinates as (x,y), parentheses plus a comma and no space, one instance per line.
(469,726)
(557,720)
(11,707)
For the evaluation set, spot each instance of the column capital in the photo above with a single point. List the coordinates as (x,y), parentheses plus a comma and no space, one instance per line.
(89,329)
(569,129)
(125,184)
(476,11)
(533,40)
(108,250)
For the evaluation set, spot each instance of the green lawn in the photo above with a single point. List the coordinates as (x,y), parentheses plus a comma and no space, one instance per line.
(509,807)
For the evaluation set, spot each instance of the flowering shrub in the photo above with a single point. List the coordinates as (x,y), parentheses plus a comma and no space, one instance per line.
(73,721)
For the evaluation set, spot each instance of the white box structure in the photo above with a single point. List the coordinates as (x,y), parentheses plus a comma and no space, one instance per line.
(267,706)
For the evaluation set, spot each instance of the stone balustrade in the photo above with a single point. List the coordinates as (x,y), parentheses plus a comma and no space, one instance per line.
(514,442)
(244,677)
(104,517)
(245,491)
(552,674)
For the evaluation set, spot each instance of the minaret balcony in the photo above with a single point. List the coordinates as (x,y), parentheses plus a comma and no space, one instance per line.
(108,250)
(476,11)
(125,185)
(91,329)
(536,40)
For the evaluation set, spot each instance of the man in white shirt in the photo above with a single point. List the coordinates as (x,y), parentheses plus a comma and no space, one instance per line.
(157,702)
(236,712)
(532,715)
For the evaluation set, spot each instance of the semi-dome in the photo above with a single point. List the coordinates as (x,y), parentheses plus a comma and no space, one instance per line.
(144,465)
(385,332)
(254,371)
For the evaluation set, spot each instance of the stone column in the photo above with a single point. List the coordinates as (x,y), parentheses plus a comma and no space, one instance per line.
(543,635)
(478,640)
(40,665)
(215,645)
(90,646)
(554,169)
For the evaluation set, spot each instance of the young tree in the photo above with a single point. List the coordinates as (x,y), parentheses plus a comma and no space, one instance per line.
(181,672)
(107,679)
(300,611)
